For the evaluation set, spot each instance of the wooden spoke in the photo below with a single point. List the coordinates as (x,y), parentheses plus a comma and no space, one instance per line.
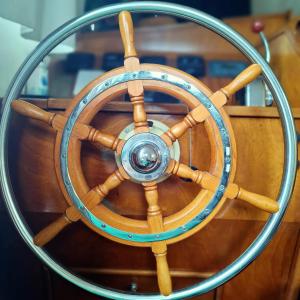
(194,117)
(32,111)
(218,99)
(155,221)
(57,121)
(94,135)
(90,200)
(233,191)
(131,64)
(244,78)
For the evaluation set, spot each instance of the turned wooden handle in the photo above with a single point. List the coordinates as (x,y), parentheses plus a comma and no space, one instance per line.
(264,203)
(91,199)
(233,191)
(32,111)
(155,221)
(50,231)
(139,114)
(244,78)
(97,136)
(163,274)
(127,34)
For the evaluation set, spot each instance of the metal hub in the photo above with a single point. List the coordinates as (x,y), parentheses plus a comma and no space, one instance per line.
(145,157)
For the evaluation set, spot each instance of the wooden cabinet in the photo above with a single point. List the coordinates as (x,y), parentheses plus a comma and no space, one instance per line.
(259,168)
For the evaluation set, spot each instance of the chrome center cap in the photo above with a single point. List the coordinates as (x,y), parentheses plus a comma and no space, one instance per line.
(145,157)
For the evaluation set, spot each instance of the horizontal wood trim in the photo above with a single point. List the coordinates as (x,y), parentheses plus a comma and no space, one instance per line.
(130,272)
(166,108)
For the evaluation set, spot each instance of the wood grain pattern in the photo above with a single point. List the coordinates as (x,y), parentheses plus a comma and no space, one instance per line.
(155,221)
(111,217)
(127,34)
(268,275)
(57,121)
(286,58)
(244,78)
(166,108)
(179,39)
(262,158)
(232,191)
(131,64)
(72,214)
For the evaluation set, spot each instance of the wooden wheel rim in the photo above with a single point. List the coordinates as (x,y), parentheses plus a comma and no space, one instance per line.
(134,228)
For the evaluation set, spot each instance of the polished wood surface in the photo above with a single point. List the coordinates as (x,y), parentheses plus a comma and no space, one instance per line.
(155,221)
(240,81)
(91,199)
(172,40)
(264,162)
(127,34)
(132,64)
(274,275)
(219,99)
(183,38)
(179,217)
(57,121)
(262,158)
(233,191)
(285,49)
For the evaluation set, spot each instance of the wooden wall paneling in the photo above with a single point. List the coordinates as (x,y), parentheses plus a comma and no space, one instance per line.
(65,290)
(285,51)
(268,275)
(262,158)
(260,155)
(293,288)
(177,39)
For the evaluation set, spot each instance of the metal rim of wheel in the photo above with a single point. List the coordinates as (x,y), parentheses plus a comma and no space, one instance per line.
(290,143)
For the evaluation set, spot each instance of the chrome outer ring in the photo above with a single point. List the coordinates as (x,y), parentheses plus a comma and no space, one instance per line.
(138,140)
(230,35)
(144,75)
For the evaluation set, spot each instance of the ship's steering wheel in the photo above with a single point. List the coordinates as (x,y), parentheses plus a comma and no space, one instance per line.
(145,156)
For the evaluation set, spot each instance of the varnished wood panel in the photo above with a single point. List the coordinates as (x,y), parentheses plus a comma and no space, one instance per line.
(63,289)
(260,155)
(266,278)
(260,159)
(182,38)
(285,49)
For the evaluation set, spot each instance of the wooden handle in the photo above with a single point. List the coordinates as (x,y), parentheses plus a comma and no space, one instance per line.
(178,130)
(91,199)
(127,34)
(244,78)
(29,110)
(233,191)
(185,171)
(49,232)
(96,136)
(197,115)
(139,114)
(259,201)
(163,274)
(155,221)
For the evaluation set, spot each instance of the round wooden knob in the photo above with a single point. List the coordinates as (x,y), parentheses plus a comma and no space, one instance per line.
(258,26)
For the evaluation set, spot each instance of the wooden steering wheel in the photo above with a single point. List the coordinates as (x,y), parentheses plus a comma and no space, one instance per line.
(144,156)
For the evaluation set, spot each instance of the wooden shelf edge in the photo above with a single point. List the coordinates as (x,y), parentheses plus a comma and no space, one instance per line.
(167,108)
